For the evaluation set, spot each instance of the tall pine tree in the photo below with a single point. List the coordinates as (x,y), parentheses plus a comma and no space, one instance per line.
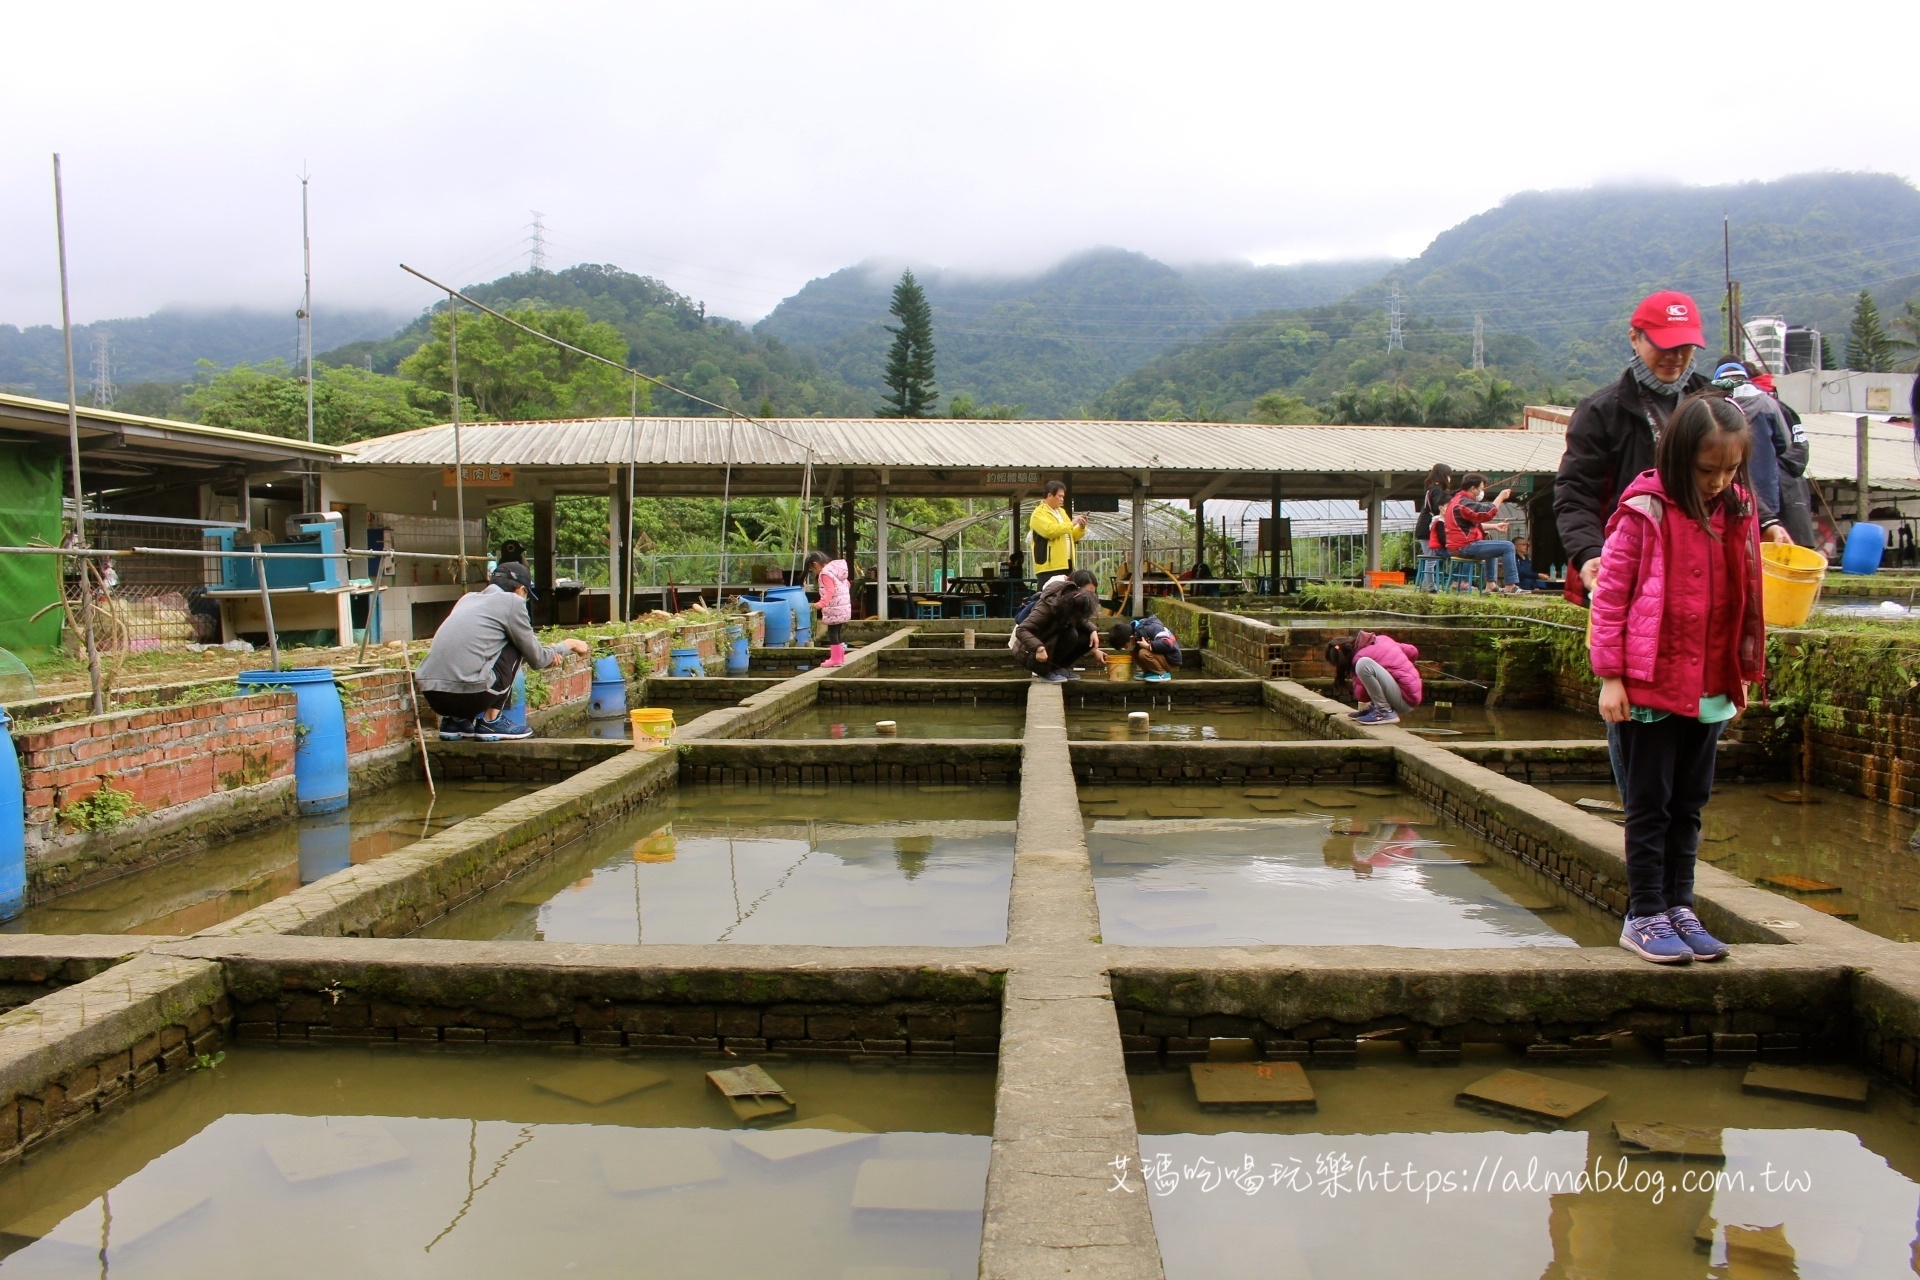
(909,375)
(1869,350)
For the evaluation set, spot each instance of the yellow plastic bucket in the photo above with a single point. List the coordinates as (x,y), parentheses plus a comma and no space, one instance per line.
(652,726)
(1119,670)
(1790,583)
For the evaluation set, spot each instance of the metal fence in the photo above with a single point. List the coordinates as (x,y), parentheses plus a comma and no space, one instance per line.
(149,602)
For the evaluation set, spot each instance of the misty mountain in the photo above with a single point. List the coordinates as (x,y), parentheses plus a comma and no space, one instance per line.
(1049,342)
(1565,268)
(164,346)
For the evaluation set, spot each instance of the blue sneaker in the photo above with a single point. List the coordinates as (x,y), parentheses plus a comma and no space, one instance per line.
(1157,677)
(1653,938)
(1378,715)
(502,728)
(454,728)
(1703,944)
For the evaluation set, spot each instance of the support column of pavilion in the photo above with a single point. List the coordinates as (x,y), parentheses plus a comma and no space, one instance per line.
(1063,1112)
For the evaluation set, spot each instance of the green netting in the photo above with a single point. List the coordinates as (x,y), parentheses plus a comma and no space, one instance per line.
(29,514)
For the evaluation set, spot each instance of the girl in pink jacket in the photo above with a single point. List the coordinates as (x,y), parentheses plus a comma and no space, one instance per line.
(1383,675)
(836,602)
(1676,635)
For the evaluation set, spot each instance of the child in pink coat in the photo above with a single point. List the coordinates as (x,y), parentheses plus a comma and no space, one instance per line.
(1676,635)
(836,603)
(1383,675)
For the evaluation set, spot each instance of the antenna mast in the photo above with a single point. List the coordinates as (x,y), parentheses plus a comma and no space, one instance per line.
(538,253)
(1479,341)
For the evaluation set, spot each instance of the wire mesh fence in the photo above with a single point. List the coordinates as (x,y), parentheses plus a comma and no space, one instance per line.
(148,602)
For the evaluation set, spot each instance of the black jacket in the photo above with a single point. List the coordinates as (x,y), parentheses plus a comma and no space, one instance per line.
(1046,623)
(1609,442)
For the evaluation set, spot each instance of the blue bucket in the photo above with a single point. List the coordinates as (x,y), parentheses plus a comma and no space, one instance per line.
(320,756)
(796,600)
(686,662)
(779,618)
(608,700)
(13,827)
(1866,544)
(738,659)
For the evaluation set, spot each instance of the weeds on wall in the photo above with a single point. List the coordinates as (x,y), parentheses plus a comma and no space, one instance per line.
(104,810)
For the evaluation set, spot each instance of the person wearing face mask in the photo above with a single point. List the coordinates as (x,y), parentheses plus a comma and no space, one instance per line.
(1614,431)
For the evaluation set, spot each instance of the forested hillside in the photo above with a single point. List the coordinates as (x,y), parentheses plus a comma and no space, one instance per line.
(1051,343)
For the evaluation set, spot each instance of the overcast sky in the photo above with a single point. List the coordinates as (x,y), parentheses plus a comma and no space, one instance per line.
(737,150)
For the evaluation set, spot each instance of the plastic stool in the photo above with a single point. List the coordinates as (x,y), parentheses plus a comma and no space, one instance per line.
(972,609)
(1430,573)
(926,609)
(1461,570)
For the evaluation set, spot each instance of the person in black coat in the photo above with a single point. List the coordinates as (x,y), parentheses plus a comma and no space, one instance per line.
(1613,433)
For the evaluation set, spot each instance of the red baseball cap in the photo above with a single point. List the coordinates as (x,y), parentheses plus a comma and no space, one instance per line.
(1669,319)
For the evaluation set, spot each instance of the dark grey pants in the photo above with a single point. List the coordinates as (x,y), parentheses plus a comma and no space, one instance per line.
(1665,771)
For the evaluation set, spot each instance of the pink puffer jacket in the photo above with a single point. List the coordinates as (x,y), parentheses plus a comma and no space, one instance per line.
(1396,658)
(836,602)
(1653,606)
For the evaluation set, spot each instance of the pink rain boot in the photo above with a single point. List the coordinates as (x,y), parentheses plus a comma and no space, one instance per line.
(836,656)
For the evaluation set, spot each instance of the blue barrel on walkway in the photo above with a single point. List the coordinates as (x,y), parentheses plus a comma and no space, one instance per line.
(1866,543)
(608,700)
(738,659)
(796,598)
(686,662)
(13,826)
(514,718)
(779,618)
(320,753)
(326,846)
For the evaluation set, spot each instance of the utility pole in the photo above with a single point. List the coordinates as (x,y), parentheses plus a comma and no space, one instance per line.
(1730,308)
(1479,341)
(1394,340)
(310,485)
(103,390)
(538,253)
(87,575)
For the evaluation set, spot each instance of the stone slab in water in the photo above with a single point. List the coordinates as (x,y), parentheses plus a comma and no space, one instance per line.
(751,1092)
(1172,811)
(1762,1247)
(1799,883)
(342,1146)
(656,1159)
(1274,806)
(1837,1086)
(1526,1096)
(1658,1139)
(1321,800)
(136,1215)
(798,1141)
(1281,1085)
(595,1083)
(1375,793)
(917,1186)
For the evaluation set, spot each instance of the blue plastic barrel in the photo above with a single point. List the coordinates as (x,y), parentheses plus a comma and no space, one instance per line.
(320,755)
(779,618)
(796,599)
(686,662)
(514,718)
(1866,543)
(738,659)
(608,700)
(13,826)
(326,846)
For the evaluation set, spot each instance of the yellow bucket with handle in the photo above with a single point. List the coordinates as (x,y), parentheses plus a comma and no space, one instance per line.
(652,726)
(1790,582)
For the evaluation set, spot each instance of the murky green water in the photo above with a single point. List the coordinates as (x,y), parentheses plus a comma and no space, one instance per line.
(855,865)
(1513,1207)
(391,1162)
(1513,724)
(1858,847)
(1212,866)
(911,720)
(220,882)
(1186,720)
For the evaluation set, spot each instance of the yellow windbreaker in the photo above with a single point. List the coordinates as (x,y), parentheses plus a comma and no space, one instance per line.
(1060,532)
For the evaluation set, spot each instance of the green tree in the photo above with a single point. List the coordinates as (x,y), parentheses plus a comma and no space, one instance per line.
(909,377)
(963,406)
(1496,402)
(1905,332)
(1283,409)
(1869,350)
(348,403)
(510,375)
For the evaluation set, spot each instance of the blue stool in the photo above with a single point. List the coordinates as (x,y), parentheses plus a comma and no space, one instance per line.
(926,609)
(1462,571)
(1430,572)
(972,609)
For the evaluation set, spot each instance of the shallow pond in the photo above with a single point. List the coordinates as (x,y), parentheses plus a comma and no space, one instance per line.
(334,1162)
(1492,1197)
(854,865)
(911,720)
(1309,866)
(223,880)
(1173,719)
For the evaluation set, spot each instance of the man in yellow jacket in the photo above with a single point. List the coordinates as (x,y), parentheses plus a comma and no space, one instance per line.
(1052,526)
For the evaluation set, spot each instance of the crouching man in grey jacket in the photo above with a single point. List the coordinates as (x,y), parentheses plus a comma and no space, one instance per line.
(468,675)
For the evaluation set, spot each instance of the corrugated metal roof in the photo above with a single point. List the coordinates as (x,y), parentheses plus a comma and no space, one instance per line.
(1042,445)
(1892,461)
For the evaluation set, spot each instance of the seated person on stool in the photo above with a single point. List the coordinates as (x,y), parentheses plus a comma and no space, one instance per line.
(467,677)
(1154,649)
(1523,561)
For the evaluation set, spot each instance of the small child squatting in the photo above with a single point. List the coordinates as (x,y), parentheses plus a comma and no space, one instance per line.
(1676,636)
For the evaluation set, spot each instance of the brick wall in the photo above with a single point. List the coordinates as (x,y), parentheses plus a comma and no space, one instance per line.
(851,761)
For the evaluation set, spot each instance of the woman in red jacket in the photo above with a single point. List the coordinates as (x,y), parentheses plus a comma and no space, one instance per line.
(1676,635)
(1458,532)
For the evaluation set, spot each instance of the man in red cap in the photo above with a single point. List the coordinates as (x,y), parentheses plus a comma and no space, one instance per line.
(1612,436)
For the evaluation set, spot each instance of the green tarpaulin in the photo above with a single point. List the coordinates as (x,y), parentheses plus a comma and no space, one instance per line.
(29,515)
